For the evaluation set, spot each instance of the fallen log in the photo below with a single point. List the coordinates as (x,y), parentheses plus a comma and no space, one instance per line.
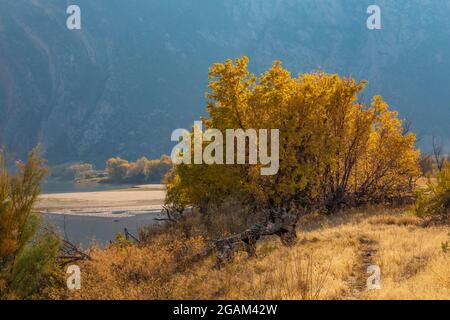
(280,223)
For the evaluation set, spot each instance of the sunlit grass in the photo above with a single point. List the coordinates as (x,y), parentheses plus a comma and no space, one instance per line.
(326,263)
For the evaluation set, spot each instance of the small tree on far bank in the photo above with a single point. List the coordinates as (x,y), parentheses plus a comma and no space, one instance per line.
(142,171)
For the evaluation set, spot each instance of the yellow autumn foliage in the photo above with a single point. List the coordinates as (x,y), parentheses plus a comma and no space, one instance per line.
(335,151)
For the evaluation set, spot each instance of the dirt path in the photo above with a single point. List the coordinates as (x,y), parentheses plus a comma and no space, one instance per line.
(367,248)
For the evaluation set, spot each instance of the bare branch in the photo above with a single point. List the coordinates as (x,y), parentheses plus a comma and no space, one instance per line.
(438,147)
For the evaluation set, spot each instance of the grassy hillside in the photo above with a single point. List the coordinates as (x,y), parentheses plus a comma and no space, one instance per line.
(328,262)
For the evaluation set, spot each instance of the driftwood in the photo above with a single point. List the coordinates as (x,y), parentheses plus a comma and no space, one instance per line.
(173,214)
(69,253)
(129,236)
(280,223)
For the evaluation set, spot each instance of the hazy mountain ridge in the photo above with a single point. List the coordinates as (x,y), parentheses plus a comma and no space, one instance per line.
(138,69)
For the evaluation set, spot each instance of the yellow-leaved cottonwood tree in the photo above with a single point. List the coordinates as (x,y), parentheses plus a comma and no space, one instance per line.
(334,150)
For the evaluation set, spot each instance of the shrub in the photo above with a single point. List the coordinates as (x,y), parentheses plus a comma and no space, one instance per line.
(73,171)
(126,271)
(435,200)
(26,256)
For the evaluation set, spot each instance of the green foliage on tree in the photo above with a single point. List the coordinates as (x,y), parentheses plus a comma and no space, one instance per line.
(27,254)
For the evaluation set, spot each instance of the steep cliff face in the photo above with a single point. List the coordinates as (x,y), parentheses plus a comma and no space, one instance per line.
(138,69)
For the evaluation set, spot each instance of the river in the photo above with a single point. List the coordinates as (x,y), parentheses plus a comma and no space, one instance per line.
(60,186)
(92,213)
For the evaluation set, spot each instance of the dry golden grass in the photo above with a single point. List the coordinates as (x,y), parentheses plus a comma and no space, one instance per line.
(328,262)
(126,271)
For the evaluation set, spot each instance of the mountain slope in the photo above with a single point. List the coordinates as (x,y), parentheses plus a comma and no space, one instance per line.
(138,69)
